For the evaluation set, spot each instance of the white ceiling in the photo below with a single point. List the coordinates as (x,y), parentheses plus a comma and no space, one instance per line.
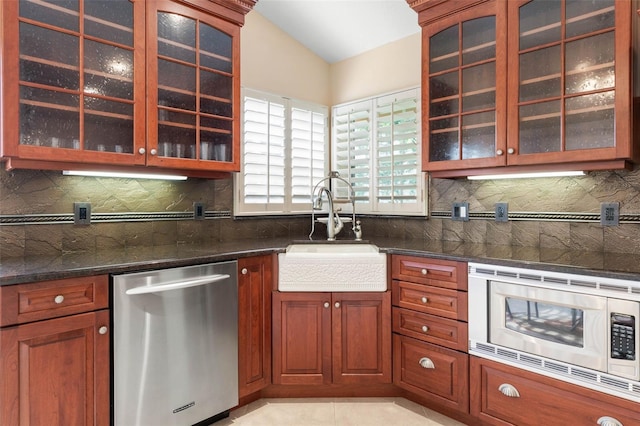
(340,29)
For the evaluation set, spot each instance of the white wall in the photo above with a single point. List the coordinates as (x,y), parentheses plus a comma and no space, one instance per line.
(274,62)
(394,66)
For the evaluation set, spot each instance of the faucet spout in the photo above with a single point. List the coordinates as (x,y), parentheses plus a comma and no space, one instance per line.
(334,223)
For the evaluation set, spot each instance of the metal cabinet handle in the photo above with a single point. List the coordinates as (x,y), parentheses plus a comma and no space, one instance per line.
(511,151)
(326,304)
(509,390)
(244,271)
(426,363)
(499,152)
(337,304)
(153,151)
(103,329)
(609,421)
(424,271)
(142,151)
(58,299)
(425,328)
(424,299)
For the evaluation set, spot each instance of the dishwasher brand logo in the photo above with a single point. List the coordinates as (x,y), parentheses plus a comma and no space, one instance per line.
(184,407)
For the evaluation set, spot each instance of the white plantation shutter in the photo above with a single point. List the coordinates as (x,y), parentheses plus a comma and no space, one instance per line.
(352,150)
(398,176)
(284,144)
(376,147)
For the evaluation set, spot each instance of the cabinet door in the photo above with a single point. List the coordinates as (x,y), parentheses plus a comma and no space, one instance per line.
(254,323)
(435,373)
(503,395)
(464,92)
(56,372)
(193,79)
(301,338)
(361,337)
(73,81)
(569,81)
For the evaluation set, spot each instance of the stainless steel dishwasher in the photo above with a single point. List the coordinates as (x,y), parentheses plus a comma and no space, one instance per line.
(175,345)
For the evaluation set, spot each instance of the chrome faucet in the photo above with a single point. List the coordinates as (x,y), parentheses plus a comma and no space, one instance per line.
(334,222)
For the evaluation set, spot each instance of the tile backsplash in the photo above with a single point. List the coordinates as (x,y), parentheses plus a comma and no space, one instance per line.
(37,195)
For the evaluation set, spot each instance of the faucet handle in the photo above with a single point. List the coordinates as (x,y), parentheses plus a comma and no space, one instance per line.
(357,230)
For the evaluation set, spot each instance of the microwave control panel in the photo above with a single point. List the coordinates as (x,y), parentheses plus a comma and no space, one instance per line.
(623,336)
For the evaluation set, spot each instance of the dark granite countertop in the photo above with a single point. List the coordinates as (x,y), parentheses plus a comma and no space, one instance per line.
(40,268)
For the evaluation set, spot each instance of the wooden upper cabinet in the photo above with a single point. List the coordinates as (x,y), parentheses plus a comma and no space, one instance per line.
(464,88)
(121,86)
(527,84)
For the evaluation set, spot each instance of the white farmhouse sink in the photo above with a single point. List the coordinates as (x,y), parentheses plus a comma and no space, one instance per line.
(332,267)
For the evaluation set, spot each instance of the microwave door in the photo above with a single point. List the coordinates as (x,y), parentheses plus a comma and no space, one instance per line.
(555,324)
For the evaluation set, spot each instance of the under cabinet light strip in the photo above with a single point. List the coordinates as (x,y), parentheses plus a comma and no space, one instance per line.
(122,175)
(526,175)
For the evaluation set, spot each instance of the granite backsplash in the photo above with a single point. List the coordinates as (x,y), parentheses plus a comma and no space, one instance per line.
(35,207)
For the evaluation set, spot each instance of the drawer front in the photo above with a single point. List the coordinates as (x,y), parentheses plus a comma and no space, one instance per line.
(506,394)
(49,299)
(433,372)
(436,272)
(429,328)
(431,300)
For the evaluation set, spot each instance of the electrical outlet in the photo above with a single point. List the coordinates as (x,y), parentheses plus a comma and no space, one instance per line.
(609,214)
(81,213)
(502,212)
(460,211)
(198,211)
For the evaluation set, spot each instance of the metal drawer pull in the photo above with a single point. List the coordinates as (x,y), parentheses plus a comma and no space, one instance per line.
(426,363)
(244,271)
(424,300)
(59,299)
(326,304)
(424,271)
(509,390)
(337,305)
(425,328)
(103,329)
(609,421)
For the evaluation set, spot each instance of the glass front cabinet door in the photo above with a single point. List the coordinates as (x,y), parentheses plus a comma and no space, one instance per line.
(70,76)
(570,82)
(120,83)
(193,69)
(464,58)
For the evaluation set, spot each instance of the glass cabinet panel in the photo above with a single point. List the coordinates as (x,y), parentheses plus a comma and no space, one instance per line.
(566,75)
(462,91)
(76,88)
(195,89)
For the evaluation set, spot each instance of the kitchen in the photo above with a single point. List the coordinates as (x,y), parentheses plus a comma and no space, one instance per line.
(581,242)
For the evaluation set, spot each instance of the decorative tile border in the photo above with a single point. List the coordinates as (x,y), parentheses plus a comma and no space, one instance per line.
(48,219)
(545,216)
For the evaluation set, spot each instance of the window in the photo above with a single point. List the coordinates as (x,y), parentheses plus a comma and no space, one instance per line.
(284,154)
(376,147)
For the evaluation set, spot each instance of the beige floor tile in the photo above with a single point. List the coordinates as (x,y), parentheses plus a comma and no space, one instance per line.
(336,412)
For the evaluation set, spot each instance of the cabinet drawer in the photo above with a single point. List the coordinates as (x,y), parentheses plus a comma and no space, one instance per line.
(436,272)
(441,331)
(431,300)
(532,399)
(435,373)
(49,299)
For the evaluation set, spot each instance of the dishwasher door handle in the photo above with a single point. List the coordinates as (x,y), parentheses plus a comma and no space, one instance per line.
(175,285)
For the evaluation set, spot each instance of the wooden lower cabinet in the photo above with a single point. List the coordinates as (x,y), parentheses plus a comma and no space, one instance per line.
(331,338)
(254,323)
(433,372)
(56,372)
(504,395)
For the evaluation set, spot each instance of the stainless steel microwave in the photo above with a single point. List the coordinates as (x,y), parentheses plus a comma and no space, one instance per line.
(580,321)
